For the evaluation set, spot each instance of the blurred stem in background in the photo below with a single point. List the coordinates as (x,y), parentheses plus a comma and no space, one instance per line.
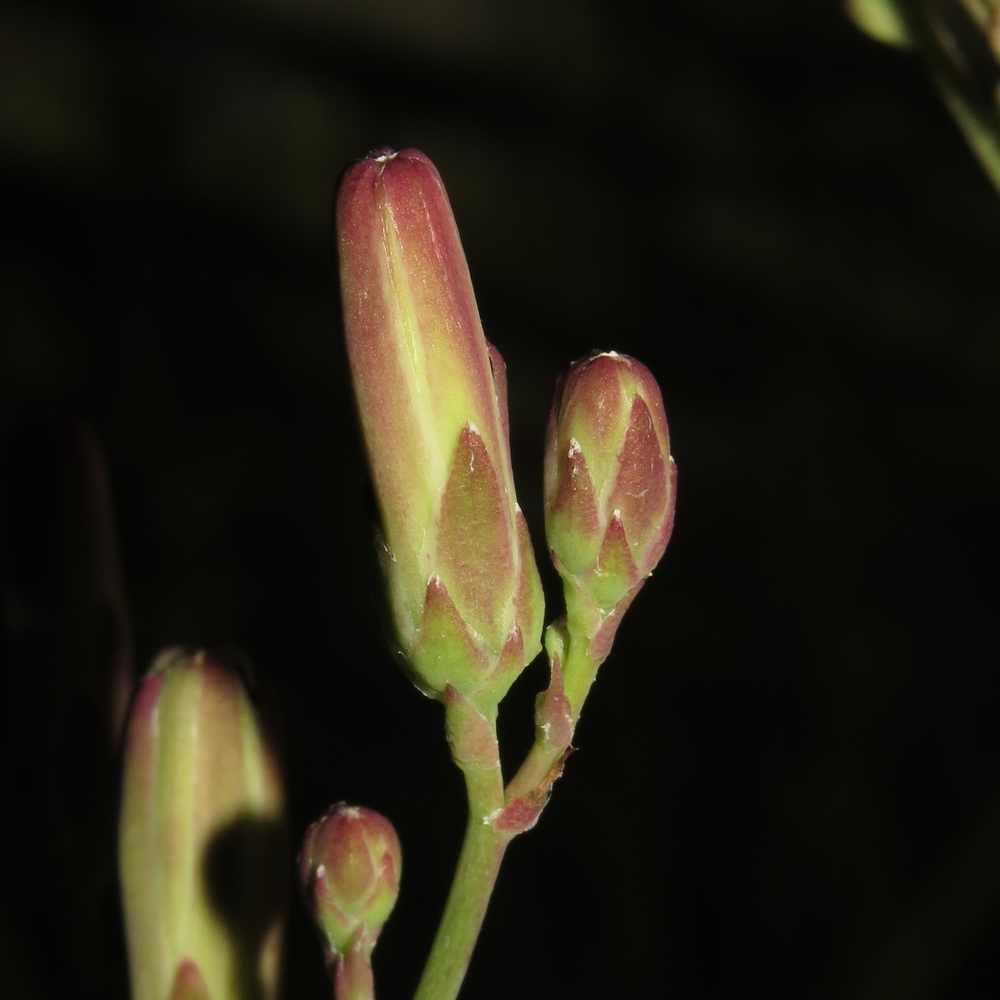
(960,41)
(66,675)
(926,951)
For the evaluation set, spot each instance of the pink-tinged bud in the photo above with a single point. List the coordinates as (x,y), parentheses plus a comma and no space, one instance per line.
(610,486)
(200,841)
(349,869)
(464,591)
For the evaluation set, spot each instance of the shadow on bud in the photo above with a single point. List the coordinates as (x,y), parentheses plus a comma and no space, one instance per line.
(244,869)
(200,838)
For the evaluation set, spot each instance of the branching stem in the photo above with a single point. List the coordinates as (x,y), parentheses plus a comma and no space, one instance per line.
(475,876)
(579,673)
(483,848)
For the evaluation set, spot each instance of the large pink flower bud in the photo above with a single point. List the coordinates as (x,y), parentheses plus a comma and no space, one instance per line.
(610,486)
(463,587)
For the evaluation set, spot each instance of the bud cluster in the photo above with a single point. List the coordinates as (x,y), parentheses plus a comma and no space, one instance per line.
(202,803)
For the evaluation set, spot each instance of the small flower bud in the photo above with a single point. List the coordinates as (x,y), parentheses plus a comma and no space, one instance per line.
(200,836)
(610,486)
(349,869)
(464,592)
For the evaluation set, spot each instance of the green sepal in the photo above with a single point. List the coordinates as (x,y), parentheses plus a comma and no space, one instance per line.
(446,653)
(574,522)
(614,574)
(508,668)
(642,489)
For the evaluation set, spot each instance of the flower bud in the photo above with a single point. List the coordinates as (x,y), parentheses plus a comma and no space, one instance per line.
(349,869)
(883,20)
(610,485)
(200,836)
(464,592)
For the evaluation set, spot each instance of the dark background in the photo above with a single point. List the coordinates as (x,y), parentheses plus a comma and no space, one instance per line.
(788,782)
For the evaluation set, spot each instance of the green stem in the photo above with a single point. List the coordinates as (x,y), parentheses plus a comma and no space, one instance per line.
(579,673)
(483,847)
(475,876)
(352,973)
(975,113)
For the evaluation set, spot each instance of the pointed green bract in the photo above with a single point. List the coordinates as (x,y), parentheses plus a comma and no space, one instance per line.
(432,401)
(447,653)
(508,667)
(614,573)
(574,516)
(553,712)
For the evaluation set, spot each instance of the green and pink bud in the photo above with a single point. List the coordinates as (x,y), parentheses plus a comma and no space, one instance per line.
(349,870)
(610,487)
(464,592)
(200,836)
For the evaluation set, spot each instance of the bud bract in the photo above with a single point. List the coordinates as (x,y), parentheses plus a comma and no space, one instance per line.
(200,836)
(610,486)
(464,592)
(349,869)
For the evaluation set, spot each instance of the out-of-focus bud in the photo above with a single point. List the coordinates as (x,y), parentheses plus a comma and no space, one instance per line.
(610,486)
(882,20)
(349,871)
(189,983)
(464,592)
(201,836)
